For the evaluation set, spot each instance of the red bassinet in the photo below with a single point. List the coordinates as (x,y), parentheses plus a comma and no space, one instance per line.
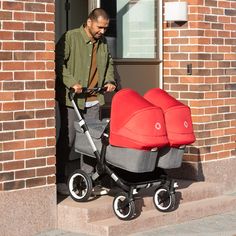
(177,117)
(135,122)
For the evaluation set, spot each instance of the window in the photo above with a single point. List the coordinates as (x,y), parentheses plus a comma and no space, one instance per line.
(133,26)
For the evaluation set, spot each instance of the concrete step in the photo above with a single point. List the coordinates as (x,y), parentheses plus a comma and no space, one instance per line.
(96,217)
(154,219)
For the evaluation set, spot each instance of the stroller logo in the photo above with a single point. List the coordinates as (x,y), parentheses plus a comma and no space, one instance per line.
(186,124)
(158,126)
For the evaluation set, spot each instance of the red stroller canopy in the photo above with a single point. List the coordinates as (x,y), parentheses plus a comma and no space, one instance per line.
(135,122)
(177,117)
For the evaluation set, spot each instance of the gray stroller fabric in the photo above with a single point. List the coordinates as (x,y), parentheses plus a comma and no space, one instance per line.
(96,129)
(170,157)
(133,160)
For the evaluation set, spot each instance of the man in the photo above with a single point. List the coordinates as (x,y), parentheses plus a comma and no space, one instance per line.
(82,60)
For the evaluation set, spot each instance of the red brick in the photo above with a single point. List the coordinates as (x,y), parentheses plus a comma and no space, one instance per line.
(13,25)
(51,160)
(34,46)
(45,171)
(51,141)
(50,65)
(50,27)
(43,152)
(45,56)
(6,96)
(34,104)
(24,56)
(26,95)
(34,65)
(36,143)
(25,174)
(13,106)
(35,7)
(45,17)
(35,26)
(6,176)
(9,5)
(24,36)
(13,125)
(13,66)
(9,85)
(45,75)
(35,162)
(47,94)
(24,115)
(14,145)
(45,113)
(50,8)
(5,15)
(13,165)
(5,35)
(50,104)
(12,46)
(34,182)
(25,134)
(45,133)
(6,136)
(6,156)
(45,36)
(13,185)
(24,154)
(30,124)
(6,76)
(32,85)
(23,16)
(5,56)
(6,116)
(51,179)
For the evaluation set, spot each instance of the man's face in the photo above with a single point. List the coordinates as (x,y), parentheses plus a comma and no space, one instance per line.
(98,27)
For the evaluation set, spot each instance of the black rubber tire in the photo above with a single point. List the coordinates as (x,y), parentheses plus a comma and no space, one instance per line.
(163,199)
(80,186)
(123,211)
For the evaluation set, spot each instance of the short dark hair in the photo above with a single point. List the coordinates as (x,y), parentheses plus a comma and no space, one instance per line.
(97,12)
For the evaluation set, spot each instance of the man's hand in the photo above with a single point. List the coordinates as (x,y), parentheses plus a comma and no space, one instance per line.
(77,88)
(110,87)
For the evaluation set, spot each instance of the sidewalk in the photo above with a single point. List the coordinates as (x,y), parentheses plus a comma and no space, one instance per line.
(218,225)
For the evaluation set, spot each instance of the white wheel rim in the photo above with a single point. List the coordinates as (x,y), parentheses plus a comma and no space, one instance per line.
(156,198)
(71,187)
(116,206)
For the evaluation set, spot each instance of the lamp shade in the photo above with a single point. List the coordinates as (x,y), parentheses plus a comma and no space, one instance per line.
(176,11)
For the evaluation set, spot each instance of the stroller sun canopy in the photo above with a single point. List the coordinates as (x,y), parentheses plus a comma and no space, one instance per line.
(135,122)
(178,120)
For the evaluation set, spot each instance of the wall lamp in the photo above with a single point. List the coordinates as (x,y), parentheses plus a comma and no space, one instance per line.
(176,11)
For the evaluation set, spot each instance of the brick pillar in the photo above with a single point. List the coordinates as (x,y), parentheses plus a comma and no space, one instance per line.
(27,114)
(206,43)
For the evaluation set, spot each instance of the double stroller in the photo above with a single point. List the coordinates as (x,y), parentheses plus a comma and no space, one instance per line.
(144,136)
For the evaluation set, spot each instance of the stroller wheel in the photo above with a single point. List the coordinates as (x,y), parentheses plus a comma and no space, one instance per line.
(80,186)
(164,200)
(123,207)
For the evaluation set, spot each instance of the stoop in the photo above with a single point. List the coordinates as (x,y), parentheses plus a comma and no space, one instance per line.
(95,217)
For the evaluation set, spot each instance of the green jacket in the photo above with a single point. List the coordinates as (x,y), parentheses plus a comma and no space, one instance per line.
(73,62)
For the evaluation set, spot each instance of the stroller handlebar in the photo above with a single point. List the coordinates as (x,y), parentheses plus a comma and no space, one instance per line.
(86,90)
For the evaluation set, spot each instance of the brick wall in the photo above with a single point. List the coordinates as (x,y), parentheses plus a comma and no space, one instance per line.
(207,42)
(27,123)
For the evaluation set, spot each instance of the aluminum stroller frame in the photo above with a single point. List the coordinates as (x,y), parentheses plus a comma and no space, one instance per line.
(81,184)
